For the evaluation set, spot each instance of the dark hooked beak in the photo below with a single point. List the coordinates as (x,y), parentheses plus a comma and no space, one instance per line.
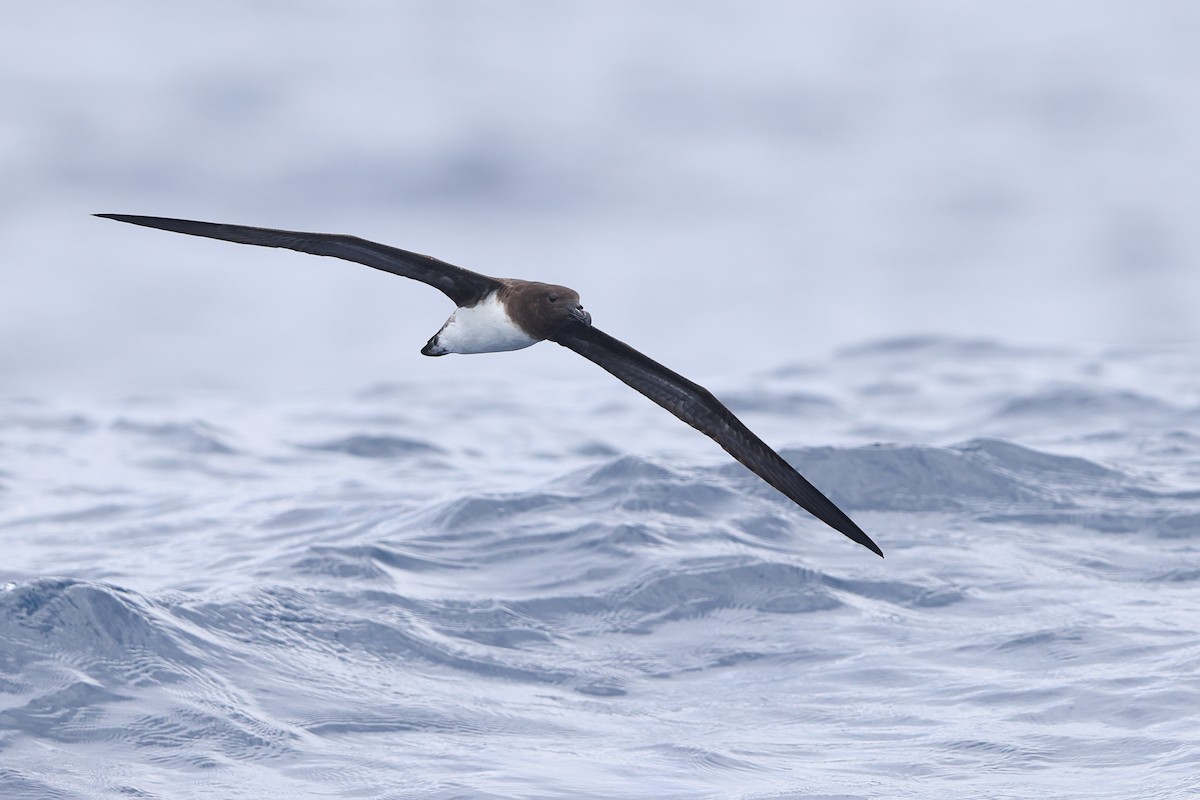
(578,313)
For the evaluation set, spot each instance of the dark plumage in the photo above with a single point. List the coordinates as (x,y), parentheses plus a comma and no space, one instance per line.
(507,314)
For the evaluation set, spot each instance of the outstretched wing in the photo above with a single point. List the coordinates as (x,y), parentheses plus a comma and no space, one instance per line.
(462,286)
(696,406)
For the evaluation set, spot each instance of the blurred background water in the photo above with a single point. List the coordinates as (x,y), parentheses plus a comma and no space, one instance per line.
(942,255)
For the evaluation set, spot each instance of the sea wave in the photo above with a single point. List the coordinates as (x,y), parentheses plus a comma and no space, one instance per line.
(229,594)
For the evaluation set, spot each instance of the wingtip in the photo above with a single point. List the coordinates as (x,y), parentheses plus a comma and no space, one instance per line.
(860,536)
(866,542)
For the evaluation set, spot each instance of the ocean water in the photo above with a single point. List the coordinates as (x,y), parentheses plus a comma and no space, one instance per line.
(943,255)
(1015,172)
(558,590)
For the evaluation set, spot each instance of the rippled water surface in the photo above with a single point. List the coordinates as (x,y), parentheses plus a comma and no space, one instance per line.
(298,560)
(531,587)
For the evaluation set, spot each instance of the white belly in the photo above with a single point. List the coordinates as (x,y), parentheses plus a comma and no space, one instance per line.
(484,328)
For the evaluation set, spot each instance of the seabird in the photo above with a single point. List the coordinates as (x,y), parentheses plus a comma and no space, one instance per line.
(497,314)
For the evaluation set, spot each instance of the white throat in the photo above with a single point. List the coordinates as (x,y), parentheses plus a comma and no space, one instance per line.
(483,328)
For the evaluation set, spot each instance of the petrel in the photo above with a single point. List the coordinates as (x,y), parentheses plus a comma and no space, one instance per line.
(497,314)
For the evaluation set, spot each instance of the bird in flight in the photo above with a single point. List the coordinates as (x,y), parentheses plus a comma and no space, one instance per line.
(497,314)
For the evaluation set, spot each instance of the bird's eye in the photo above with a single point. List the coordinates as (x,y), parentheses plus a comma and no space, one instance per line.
(553,298)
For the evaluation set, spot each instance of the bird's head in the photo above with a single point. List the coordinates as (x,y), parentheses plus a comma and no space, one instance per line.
(543,308)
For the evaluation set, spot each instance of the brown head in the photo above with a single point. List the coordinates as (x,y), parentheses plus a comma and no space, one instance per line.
(540,309)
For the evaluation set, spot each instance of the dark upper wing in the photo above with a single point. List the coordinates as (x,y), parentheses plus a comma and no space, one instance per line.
(696,406)
(462,286)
